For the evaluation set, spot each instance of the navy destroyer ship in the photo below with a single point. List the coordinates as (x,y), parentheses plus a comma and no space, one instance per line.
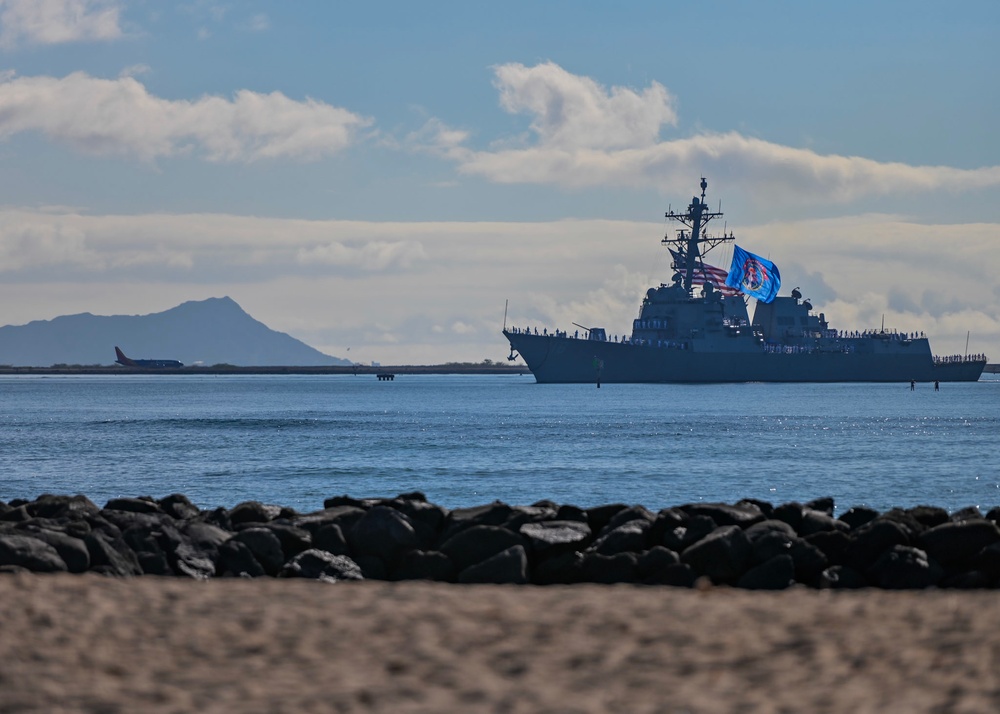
(687,335)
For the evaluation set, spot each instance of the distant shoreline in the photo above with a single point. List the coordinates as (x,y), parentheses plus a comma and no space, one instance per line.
(456,368)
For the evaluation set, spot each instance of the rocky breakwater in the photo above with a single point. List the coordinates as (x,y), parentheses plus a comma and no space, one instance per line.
(750,544)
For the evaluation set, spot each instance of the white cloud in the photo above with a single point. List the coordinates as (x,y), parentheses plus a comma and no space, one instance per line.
(572,112)
(585,136)
(120,117)
(49,22)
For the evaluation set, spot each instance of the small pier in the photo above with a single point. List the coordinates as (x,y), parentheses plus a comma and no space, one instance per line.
(385,376)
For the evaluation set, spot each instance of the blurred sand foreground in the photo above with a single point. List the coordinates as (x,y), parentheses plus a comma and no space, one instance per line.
(84,643)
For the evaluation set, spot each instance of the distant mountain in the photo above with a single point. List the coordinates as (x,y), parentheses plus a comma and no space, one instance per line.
(213,331)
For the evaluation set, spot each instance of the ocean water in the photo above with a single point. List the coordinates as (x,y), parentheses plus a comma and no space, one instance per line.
(468,440)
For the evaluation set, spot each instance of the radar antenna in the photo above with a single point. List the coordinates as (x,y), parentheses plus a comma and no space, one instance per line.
(693,241)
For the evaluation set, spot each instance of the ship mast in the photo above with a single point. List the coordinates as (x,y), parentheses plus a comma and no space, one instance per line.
(690,239)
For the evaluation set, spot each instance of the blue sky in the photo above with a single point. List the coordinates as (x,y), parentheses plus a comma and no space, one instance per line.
(384,176)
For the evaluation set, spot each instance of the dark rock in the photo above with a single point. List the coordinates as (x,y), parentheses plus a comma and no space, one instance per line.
(988,560)
(148,551)
(599,516)
(111,555)
(507,566)
(819,522)
(958,540)
(265,547)
(903,567)
(858,516)
(195,556)
(320,565)
(725,515)
(993,515)
(521,515)
(492,514)
(193,562)
(629,537)
(790,513)
(969,513)
(967,580)
(902,517)
(331,538)
(666,521)
(928,516)
(723,555)
(869,542)
(236,559)
(653,566)
(562,569)
(30,553)
(425,565)
(294,540)
(343,516)
(763,506)
(205,536)
(572,513)
(124,520)
(133,505)
(412,496)
(682,537)
(842,577)
(763,528)
(609,569)
(383,532)
(253,512)
(16,514)
(833,544)
(769,545)
(372,567)
(178,506)
(72,550)
(338,501)
(679,576)
(218,517)
(551,538)
(809,561)
(627,515)
(824,504)
(49,506)
(421,513)
(475,544)
(778,573)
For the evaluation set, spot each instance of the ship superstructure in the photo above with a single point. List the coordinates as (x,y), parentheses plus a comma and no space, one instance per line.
(697,329)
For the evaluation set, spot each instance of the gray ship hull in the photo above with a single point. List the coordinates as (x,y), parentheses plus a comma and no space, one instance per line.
(566,359)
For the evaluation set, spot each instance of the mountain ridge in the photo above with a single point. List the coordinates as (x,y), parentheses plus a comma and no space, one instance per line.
(211,331)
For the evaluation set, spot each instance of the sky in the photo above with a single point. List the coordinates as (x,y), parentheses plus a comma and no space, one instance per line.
(385,180)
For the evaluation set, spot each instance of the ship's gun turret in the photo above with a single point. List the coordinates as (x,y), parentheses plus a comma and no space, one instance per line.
(596,334)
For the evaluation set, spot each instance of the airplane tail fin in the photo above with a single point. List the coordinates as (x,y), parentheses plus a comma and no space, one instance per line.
(122,359)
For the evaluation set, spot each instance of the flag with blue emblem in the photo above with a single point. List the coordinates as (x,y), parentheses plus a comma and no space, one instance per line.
(753,275)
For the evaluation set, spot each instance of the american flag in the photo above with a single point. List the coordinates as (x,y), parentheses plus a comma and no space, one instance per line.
(703,272)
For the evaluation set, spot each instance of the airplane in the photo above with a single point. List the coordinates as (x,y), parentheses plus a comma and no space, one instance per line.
(127,362)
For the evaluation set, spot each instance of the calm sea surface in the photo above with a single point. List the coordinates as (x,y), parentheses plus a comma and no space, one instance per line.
(467,440)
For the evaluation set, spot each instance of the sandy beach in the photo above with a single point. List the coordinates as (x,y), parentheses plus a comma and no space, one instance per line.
(85,643)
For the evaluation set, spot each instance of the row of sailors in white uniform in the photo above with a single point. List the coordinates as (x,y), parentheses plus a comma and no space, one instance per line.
(960,358)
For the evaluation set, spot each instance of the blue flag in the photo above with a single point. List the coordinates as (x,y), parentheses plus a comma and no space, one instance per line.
(755,276)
